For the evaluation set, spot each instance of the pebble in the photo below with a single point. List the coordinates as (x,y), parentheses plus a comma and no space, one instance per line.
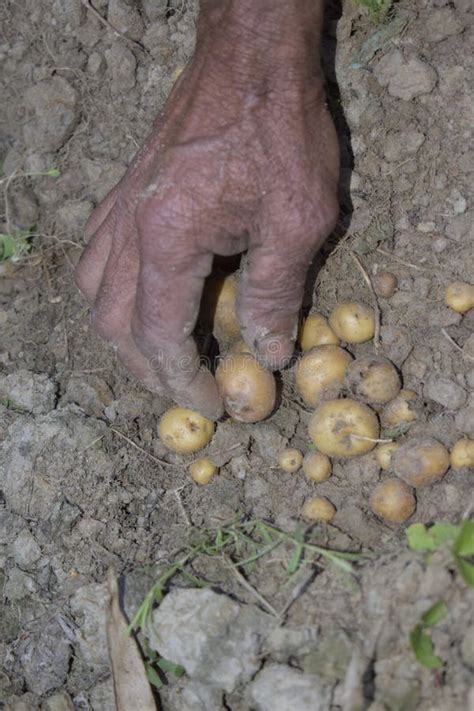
(279,688)
(405,78)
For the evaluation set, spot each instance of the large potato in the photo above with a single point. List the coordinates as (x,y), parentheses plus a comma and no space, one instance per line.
(373,380)
(316,331)
(421,461)
(344,428)
(320,373)
(248,390)
(353,322)
(184,430)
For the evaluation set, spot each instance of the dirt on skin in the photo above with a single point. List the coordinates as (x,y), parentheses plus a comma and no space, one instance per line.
(86,482)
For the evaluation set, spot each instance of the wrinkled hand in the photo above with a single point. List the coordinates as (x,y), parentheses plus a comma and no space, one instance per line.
(244,157)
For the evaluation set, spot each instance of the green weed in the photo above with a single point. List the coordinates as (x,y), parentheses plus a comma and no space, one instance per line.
(378,9)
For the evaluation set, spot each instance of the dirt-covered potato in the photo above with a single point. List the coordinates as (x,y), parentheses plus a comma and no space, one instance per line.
(460,296)
(373,380)
(421,461)
(384,452)
(184,430)
(393,500)
(344,428)
(316,331)
(462,454)
(404,408)
(385,284)
(320,373)
(290,460)
(353,322)
(248,390)
(202,471)
(218,307)
(318,509)
(317,466)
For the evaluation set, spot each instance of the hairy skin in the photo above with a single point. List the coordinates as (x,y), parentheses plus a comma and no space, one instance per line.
(243,157)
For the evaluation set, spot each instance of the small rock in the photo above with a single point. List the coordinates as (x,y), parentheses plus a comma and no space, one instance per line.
(88,606)
(396,343)
(33,392)
(464,420)
(405,79)
(125,17)
(214,638)
(467,647)
(53,104)
(441,23)
(401,144)
(280,688)
(58,702)
(26,550)
(91,393)
(444,391)
(44,658)
(121,66)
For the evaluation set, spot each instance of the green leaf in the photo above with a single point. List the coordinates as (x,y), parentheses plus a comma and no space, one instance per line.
(171,667)
(443,532)
(423,648)
(154,677)
(466,569)
(295,560)
(53,173)
(419,538)
(464,544)
(435,614)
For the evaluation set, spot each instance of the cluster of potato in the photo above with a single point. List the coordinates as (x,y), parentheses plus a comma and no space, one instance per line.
(350,397)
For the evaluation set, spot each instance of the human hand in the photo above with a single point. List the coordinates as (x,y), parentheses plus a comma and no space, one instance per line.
(244,157)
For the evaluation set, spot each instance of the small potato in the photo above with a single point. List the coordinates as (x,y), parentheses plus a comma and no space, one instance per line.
(460,296)
(344,428)
(393,500)
(290,460)
(218,307)
(462,454)
(318,509)
(185,431)
(316,331)
(317,466)
(403,408)
(247,389)
(421,461)
(320,373)
(373,380)
(385,284)
(384,452)
(202,471)
(353,322)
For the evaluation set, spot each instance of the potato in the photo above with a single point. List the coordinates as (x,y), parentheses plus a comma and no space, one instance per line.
(290,460)
(353,322)
(218,307)
(247,389)
(185,431)
(316,331)
(462,454)
(202,471)
(344,428)
(384,452)
(421,461)
(385,284)
(373,380)
(317,466)
(460,296)
(320,373)
(393,500)
(240,346)
(318,509)
(403,408)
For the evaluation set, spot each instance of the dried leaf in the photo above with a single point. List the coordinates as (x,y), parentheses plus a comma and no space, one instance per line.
(131,687)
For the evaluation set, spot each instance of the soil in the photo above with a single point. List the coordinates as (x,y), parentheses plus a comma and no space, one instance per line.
(86,482)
